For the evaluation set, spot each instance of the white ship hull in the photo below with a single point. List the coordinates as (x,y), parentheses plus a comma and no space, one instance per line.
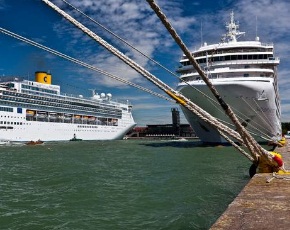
(244,74)
(20,130)
(37,110)
(253,100)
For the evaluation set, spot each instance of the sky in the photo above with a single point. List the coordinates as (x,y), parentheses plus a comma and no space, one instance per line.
(196,21)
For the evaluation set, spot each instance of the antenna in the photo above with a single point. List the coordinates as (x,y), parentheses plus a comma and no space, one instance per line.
(256,27)
(201,38)
(257,38)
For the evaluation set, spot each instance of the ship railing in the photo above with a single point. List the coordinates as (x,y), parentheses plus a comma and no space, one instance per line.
(247,62)
(10,79)
(272,60)
(102,101)
(241,45)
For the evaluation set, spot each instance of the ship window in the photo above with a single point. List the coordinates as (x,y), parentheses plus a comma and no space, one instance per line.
(6,109)
(246,75)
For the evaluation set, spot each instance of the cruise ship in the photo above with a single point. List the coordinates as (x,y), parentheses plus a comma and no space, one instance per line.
(245,75)
(37,110)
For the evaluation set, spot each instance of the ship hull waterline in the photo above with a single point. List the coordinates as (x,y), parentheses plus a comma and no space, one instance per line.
(253,102)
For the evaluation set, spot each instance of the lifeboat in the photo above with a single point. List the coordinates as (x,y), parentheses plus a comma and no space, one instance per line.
(41,115)
(30,113)
(92,118)
(52,115)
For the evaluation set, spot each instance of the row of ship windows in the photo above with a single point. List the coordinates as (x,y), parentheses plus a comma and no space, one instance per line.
(98,121)
(103,121)
(10,123)
(215,76)
(60,99)
(64,110)
(231,58)
(81,108)
(237,50)
(38,89)
(79,126)
(6,109)
(89,128)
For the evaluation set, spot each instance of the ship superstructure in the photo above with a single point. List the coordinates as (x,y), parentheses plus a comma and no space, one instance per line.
(245,75)
(37,110)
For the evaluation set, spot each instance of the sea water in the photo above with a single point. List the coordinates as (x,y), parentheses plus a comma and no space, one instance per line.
(127,184)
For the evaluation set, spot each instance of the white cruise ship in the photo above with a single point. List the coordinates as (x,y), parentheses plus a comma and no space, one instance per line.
(245,75)
(37,110)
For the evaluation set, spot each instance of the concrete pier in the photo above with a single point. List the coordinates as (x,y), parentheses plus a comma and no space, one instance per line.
(261,205)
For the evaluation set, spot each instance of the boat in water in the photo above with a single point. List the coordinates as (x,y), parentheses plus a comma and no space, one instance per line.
(245,75)
(4,142)
(37,110)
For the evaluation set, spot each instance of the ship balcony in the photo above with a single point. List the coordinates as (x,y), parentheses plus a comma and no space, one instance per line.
(270,61)
(230,73)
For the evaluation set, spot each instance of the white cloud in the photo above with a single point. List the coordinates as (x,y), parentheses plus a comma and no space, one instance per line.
(135,22)
(132,20)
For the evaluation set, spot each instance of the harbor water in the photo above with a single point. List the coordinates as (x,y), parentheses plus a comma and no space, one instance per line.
(128,184)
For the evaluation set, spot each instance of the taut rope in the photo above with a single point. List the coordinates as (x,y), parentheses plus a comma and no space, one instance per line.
(256,150)
(172,93)
(74,60)
(258,154)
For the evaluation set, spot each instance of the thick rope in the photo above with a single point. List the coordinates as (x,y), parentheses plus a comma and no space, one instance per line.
(172,93)
(140,52)
(64,56)
(255,149)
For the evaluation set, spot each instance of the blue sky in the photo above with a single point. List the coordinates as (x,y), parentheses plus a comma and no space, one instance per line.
(134,21)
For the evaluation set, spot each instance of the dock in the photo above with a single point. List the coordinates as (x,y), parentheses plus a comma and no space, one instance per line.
(261,205)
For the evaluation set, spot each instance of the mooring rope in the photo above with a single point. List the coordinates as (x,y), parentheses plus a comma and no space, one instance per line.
(74,60)
(255,149)
(172,93)
(149,58)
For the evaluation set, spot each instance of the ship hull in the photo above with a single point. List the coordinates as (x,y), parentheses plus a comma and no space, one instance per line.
(254,100)
(18,129)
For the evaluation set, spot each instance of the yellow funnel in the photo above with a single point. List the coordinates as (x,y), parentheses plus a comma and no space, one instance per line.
(43,77)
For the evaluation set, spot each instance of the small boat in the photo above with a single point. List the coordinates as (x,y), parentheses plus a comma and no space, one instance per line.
(75,138)
(39,142)
(4,142)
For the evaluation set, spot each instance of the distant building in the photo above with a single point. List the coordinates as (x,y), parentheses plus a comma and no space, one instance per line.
(168,130)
